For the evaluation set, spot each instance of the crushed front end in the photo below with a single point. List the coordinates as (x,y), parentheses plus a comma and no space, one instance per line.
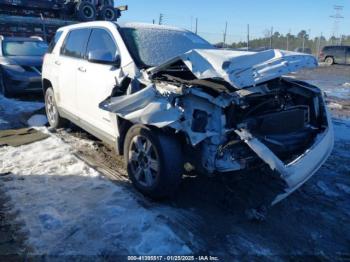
(276,121)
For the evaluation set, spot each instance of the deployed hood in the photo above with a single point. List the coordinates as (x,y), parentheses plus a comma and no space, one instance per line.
(239,68)
(23,60)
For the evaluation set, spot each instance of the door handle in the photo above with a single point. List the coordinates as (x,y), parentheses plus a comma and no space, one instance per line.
(57,62)
(82,69)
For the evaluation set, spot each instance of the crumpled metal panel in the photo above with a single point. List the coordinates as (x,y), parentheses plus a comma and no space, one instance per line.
(143,107)
(239,68)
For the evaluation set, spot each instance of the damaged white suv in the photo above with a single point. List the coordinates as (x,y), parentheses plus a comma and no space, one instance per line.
(166,99)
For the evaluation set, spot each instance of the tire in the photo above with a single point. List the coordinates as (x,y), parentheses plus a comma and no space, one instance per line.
(329,61)
(156,172)
(53,116)
(108,13)
(85,11)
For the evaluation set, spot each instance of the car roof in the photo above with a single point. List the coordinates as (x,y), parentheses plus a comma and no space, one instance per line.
(134,25)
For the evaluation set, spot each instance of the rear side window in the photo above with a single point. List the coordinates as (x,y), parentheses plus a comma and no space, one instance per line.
(75,44)
(54,41)
(334,49)
(101,41)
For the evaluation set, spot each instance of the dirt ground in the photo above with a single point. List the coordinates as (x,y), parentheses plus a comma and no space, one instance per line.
(311,223)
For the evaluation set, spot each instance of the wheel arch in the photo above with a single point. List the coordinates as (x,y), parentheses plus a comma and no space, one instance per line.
(125,125)
(46,84)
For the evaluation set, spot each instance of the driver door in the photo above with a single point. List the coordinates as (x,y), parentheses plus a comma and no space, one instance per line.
(96,81)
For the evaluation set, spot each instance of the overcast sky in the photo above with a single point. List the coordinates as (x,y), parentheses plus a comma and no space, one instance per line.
(283,15)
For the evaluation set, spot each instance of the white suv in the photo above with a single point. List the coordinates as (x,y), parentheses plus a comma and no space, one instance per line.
(166,99)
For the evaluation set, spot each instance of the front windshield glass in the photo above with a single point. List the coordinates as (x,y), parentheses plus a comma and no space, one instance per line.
(24,48)
(153,46)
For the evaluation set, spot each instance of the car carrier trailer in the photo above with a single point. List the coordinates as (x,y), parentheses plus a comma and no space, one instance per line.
(42,17)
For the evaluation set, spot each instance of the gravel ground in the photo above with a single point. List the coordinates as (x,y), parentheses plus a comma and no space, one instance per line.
(314,221)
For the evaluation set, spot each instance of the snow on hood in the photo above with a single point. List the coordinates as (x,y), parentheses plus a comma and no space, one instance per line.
(239,68)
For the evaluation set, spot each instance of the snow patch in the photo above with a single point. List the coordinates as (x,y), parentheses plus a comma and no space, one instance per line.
(334,105)
(68,208)
(136,25)
(326,190)
(242,245)
(342,129)
(37,120)
(2,121)
(344,188)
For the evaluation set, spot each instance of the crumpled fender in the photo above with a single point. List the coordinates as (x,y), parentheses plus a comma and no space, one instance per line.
(143,107)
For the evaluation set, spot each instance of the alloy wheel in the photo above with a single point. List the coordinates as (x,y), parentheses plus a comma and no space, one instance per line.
(144,161)
(51,109)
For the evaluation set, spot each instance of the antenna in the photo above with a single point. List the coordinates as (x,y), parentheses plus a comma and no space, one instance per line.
(337,18)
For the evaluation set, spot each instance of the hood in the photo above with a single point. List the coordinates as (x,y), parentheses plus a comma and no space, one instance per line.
(240,68)
(24,60)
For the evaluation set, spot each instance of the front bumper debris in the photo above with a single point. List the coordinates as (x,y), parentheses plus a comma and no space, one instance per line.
(297,172)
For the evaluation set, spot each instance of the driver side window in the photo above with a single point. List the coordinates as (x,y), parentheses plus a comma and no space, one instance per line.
(102,43)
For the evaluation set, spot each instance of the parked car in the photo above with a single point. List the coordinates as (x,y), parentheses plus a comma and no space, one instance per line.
(170,102)
(335,55)
(305,50)
(20,64)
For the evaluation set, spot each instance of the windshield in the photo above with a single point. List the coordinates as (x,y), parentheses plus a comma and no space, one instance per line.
(24,48)
(152,47)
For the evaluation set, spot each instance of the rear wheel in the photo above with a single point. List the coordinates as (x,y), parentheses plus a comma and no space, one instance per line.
(53,116)
(329,61)
(154,161)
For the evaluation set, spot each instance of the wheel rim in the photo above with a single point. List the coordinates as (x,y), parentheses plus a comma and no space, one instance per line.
(329,61)
(143,161)
(88,12)
(51,110)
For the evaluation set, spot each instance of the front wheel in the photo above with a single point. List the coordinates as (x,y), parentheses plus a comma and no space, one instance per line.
(154,161)
(53,116)
(329,61)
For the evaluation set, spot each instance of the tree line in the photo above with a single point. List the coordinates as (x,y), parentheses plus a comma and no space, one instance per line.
(288,42)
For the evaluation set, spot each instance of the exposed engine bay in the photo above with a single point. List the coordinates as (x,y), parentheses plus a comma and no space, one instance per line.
(227,126)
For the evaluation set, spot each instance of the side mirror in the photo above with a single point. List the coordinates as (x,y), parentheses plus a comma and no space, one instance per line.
(103,57)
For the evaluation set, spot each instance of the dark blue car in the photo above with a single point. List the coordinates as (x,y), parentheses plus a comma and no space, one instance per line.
(20,64)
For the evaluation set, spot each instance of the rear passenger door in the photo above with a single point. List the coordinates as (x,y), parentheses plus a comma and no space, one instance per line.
(71,54)
(348,55)
(95,82)
(339,55)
